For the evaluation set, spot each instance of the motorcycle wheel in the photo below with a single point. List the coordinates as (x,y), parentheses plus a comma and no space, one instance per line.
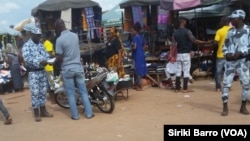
(106,102)
(62,100)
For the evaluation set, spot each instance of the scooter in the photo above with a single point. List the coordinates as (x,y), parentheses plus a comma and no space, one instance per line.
(100,92)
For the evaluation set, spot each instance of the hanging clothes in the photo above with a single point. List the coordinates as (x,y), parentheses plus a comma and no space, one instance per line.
(84,21)
(137,14)
(89,13)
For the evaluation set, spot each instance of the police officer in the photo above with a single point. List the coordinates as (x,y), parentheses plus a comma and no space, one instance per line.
(235,49)
(35,57)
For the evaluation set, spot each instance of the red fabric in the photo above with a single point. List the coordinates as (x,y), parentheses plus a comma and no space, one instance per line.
(172,53)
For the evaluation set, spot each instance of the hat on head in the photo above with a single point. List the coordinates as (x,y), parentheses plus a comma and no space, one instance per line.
(237,14)
(36,30)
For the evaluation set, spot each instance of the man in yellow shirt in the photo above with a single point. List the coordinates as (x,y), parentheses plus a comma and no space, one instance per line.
(48,45)
(220,37)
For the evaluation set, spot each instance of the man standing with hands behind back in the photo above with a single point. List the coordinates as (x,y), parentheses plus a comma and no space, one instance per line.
(68,53)
(235,49)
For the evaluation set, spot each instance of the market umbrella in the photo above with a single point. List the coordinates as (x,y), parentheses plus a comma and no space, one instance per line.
(188,4)
(10,31)
(58,5)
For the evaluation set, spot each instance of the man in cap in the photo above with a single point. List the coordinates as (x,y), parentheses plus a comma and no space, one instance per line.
(235,50)
(35,57)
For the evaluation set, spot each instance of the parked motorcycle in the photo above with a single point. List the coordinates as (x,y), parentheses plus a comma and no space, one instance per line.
(101,94)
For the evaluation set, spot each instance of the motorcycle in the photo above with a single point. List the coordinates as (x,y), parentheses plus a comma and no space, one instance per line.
(100,92)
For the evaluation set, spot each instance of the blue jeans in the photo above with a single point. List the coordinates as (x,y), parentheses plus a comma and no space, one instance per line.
(220,62)
(4,110)
(71,81)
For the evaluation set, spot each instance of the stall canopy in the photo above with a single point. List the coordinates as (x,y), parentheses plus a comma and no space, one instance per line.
(139,3)
(210,11)
(188,4)
(86,14)
(58,5)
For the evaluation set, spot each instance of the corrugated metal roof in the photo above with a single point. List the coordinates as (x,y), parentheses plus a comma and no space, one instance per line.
(113,17)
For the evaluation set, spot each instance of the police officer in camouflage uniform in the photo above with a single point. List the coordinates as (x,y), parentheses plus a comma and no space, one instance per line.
(236,49)
(35,57)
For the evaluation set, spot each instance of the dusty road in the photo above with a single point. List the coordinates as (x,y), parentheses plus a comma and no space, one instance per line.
(140,118)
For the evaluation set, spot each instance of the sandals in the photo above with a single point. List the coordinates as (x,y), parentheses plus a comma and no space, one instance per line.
(8,121)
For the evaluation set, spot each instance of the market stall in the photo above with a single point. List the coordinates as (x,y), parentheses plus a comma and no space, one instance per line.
(204,17)
(81,16)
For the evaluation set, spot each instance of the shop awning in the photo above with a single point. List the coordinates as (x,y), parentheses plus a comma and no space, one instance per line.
(210,11)
(188,4)
(58,5)
(139,2)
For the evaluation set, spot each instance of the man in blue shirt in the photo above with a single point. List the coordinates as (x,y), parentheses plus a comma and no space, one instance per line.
(68,53)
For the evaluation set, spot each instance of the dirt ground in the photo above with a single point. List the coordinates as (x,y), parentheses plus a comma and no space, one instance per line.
(141,117)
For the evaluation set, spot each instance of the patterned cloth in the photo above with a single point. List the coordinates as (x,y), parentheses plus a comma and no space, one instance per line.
(89,13)
(112,63)
(33,54)
(112,48)
(183,62)
(36,30)
(137,14)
